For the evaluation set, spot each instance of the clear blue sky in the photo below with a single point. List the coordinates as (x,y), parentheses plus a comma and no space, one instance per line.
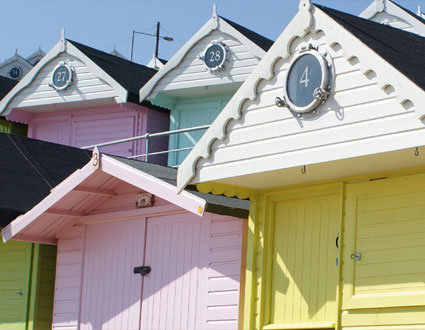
(103,24)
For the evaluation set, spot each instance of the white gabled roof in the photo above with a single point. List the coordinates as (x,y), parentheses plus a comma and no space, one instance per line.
(390,8)
(215,23)
(63,46)
(226,154)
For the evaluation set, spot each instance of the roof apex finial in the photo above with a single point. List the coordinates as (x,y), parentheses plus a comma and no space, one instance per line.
(16,52)
(305,5)
(214,12)
(419,13)
(380,5)
(63,34)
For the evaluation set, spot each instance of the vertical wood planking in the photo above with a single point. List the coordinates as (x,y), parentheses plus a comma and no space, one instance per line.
(304,272)
(103,304)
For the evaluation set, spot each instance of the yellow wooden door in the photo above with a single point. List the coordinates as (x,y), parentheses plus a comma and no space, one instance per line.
(304,275)
(385,244)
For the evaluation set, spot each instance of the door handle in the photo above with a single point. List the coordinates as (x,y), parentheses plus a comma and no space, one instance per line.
(142,270)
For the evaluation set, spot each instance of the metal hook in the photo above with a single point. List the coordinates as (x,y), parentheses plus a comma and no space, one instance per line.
(303,170)
(416,152)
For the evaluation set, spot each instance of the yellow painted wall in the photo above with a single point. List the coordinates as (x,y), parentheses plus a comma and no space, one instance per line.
(293,278)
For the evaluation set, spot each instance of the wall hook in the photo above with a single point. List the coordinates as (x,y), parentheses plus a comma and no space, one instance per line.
(416,151)
(303,170)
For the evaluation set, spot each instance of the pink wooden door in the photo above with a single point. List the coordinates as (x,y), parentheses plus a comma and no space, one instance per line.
(175,250)
(111,292)
(94,129)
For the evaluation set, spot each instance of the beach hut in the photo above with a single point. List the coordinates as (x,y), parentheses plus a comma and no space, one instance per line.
(326,138)
(132,254)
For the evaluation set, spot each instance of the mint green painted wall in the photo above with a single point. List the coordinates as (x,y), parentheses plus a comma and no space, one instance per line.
(190,113)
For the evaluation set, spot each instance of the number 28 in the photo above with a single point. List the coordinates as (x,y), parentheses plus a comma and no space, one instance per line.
(215,56)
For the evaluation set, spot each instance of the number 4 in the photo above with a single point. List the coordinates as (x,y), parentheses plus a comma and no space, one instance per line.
(304,78)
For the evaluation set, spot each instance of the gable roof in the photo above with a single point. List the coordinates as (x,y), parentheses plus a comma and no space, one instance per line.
(29,169)
(132,76)
(394,9)
(261,41)
(403,50)
(123,76)
(257,45)
(6,84)
(395,56)
(51,215)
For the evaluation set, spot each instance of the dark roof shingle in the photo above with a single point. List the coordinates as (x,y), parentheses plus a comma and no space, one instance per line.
(130,75)
(256,38)
(6,84)
(403,50)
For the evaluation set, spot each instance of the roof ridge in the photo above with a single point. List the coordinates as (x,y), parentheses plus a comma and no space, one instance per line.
(264,42)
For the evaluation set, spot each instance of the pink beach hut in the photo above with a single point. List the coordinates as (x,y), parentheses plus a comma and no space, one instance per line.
(132,254)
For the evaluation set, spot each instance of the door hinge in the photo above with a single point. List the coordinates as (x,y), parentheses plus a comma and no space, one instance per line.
(356,256)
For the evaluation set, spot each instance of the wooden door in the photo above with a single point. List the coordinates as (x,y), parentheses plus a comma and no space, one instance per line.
(385,228)
(304,274)
(175,248)
(92,129)
(111,292)
(15,272)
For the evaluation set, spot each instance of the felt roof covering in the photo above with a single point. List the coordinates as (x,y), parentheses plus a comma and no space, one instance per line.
(258,39)
(29,169)
(132,76)
(215,203)
(6,84)
(403,50)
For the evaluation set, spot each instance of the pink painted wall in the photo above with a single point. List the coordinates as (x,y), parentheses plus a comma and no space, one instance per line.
(195,278)
(88,126)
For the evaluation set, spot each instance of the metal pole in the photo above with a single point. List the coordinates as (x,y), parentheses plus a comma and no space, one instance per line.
(132,45)
(157,40)
(147,147)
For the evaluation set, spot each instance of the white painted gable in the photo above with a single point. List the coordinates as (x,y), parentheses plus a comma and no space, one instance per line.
(374,114)
(90,83)
(186,69)
(387,12)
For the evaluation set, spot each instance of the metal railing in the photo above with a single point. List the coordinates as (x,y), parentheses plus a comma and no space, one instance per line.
(147,137)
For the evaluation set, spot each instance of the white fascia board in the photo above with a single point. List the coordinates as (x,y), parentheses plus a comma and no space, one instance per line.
(153,185)
(298,27)
(30,76)
(22,222)
(377,6)
(122,92)
(215,23)
(145,91)
(391,8)
(62,46)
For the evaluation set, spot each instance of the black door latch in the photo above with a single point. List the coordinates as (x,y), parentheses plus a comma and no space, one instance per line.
(142,270)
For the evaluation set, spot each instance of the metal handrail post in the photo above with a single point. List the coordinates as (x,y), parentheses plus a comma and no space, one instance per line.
(146,147)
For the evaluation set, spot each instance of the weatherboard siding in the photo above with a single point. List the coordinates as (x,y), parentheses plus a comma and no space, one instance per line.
(394,21)
(88,126)
(358,112)
(68,282)
(86,86)
(207,268)
(191,72)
